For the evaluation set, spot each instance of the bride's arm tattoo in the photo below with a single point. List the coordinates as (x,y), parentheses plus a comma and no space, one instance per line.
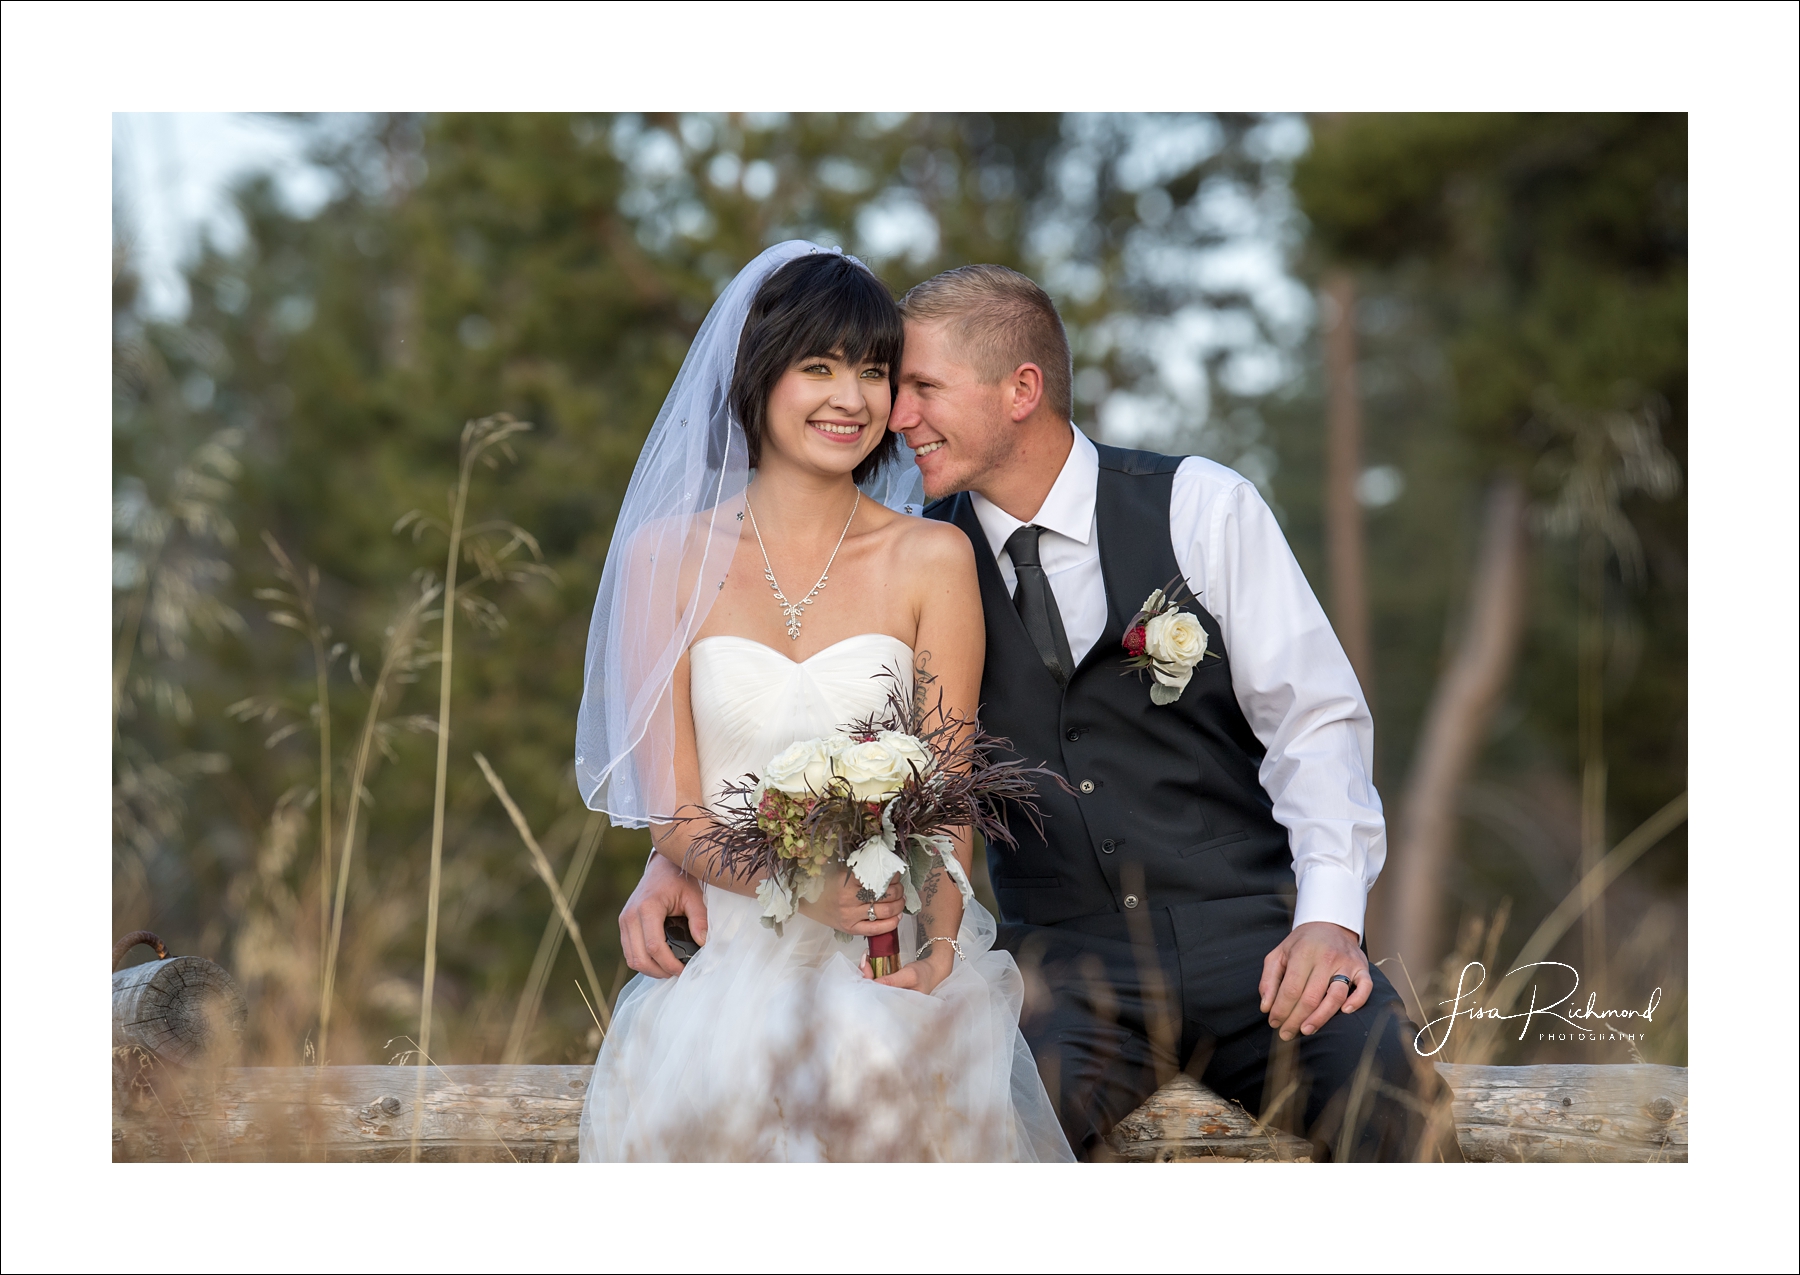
(923,680)
(928,917)
(935,920)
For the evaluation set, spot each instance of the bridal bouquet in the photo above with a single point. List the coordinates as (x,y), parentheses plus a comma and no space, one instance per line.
(879,798)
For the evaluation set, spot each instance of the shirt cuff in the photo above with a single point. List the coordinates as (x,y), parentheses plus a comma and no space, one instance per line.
(1334,894)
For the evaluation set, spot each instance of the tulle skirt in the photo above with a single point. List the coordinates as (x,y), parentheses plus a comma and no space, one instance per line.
(774,1047)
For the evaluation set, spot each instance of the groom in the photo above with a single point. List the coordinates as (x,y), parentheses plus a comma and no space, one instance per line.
(1196,902)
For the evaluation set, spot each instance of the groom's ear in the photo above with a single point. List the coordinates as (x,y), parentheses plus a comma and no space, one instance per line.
(1025,392)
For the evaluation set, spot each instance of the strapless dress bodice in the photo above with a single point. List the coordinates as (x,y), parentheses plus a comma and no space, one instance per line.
(750,701)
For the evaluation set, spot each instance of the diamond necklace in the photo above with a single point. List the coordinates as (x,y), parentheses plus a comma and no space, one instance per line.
(791,610)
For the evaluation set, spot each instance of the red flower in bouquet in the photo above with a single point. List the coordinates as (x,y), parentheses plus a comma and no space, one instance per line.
(1135,641)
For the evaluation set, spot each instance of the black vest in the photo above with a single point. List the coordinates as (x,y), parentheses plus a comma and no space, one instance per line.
(1168,809)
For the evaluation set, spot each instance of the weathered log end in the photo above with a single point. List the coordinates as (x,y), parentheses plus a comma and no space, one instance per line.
(1570,1113)
(1185,1121)
(183,1010)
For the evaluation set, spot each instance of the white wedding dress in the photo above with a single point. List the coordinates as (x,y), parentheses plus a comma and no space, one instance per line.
(773,1046)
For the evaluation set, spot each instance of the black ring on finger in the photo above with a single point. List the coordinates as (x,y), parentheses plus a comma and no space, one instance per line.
(1348,982)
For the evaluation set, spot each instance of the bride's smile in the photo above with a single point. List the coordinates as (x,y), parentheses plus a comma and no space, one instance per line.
(829,400)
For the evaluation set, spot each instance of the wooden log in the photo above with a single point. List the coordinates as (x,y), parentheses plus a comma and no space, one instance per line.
(522,1114)
(183,1009)
(1570,1113)
(1184,1121)
(531,1114)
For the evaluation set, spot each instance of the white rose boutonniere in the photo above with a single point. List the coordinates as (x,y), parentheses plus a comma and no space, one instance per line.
(1166,640)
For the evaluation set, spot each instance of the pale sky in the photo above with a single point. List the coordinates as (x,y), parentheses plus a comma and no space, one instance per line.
(171,178)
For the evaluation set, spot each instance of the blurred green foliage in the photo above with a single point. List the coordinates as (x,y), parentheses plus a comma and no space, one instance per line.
(1524,291)
(554,267)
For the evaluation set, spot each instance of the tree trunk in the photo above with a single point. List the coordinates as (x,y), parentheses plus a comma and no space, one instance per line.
(1343,466)
(1409,919)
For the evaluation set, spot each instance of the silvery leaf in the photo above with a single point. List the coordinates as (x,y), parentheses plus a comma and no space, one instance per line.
(875,863)
(1160,694)
(777,904)
(945,850)
(911,891)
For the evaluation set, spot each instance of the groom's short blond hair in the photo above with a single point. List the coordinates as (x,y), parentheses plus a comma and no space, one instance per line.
(999,319)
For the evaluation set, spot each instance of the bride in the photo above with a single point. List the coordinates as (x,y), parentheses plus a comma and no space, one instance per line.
(711,651)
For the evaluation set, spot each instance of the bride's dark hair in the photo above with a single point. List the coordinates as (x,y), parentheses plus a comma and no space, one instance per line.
(821,304)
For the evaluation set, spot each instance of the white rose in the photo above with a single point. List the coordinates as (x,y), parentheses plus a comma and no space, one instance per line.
(802,767)
(875,769)
(911,751)
(1174,638)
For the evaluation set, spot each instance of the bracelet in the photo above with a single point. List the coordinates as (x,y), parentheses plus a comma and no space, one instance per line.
(954,947)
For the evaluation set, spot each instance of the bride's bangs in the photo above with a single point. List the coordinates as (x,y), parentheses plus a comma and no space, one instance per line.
(852,318)
(822,305)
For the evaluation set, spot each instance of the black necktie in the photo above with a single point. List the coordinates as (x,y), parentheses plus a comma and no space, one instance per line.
(1037,604)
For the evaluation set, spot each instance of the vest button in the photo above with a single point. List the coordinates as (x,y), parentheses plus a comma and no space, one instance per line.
(1087,785)
(1074,734)
(1131,900)
(1107,846)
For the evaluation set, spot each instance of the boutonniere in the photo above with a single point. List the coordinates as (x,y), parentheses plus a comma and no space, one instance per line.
(1166,640)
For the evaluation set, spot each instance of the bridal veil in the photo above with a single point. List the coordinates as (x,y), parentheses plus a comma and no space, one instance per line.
(672,544)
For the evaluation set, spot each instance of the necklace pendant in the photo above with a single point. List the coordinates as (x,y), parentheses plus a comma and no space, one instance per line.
(791,610)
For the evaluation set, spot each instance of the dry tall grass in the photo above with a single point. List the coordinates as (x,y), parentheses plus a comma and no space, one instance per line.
(402,655)
(300,611)
(525,1015)
(542,866)
(481,439)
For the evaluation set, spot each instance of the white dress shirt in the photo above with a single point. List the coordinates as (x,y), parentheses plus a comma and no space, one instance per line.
(1291,676)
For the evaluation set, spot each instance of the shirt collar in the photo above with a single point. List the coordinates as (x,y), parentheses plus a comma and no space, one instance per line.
(1068,510)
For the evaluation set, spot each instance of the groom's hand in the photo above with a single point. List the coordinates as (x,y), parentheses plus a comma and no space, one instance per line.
(1298,993)
(665,891)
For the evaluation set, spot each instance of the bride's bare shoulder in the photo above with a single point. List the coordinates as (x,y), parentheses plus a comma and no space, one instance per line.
(932,550)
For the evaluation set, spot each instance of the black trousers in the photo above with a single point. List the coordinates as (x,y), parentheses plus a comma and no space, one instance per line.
(1118,1004)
